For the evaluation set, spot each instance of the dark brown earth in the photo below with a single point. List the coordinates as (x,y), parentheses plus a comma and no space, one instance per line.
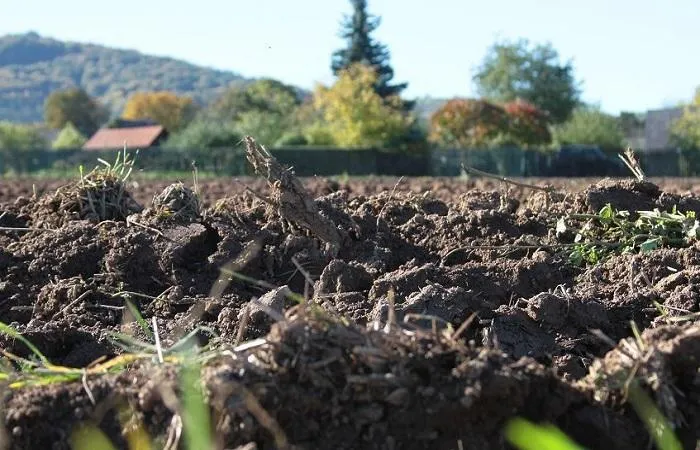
(423,255)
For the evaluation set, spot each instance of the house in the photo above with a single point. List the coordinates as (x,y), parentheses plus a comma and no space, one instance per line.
(133,137)
(657,128)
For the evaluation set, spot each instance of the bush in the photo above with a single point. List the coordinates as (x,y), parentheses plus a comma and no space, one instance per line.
(355,115)
(590,126)
(467,123)
(685,131)
(528,126)
(292,138)
(204,134)
(69,137)
(20,137)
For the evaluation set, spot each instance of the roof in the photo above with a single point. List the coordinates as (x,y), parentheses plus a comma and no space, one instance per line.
(132,137)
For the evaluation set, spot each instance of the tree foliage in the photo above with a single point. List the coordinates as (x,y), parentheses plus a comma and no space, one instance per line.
(685,131)
(590,126)
(20,137)
(528,126)
(467,123)
(354,115)
(519,70)
(264,108)
(361,48)
(74,106)
(204,134)
(69,137)
(168,109)
(265,96)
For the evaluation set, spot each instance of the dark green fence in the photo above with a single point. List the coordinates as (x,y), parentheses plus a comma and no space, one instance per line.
(324,161)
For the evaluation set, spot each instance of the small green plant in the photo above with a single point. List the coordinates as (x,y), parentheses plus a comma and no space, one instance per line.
(598,236)
(38,370)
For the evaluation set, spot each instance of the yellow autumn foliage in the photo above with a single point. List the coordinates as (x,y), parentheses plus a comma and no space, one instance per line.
(166,108)
(354,115)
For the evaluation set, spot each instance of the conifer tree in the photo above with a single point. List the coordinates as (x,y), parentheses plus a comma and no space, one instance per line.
(362,48)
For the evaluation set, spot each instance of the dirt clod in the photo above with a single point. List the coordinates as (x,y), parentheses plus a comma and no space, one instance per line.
(363,314)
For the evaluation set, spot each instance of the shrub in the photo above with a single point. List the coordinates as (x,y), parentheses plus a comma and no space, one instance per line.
(467,123)
(527,125)
(69,137)
(205,134)
(590,126)
(292,138)
(355,115)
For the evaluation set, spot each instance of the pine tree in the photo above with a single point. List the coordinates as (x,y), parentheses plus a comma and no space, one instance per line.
(361,48)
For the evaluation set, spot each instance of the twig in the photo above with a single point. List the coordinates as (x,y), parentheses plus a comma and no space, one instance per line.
(87,388)
(242,324)
(463,327)
(109,307)
(506,180)
(304,272)
(527,247)
(70,305)
(146,227)
(156,336)
(26,229)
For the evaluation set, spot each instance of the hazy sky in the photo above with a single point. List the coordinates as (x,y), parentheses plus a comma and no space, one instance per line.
(631,55)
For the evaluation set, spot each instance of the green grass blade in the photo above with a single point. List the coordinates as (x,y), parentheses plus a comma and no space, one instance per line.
(657,425)
(526,435)
(11,332)
(195,415)
(139,318)
(130,343)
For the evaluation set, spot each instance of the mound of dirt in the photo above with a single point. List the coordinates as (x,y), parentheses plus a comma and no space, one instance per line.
(433,312)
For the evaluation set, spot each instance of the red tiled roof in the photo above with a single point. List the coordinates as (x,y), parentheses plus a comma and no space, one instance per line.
(115,138)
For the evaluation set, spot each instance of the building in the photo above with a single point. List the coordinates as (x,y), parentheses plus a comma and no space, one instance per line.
(133,137)
(657,128)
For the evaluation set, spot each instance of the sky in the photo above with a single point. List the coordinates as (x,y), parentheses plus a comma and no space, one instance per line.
(631,55)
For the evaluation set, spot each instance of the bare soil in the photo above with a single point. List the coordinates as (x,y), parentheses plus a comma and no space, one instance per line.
(420,254)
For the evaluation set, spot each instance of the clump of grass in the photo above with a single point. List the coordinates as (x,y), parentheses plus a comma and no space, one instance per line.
(632,163)
(38,370)
(100,194)
(177,200)
(597,236)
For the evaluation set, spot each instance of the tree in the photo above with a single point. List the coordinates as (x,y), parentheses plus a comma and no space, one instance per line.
(355,115)
(265,95)
(590,126)
(74,106)
(202,134)
(518,70)
(267,128)
(264,108)
(685,131)
(170,110)
(69,137)
(467,123)
(528,126)
(20,137)
(363,49)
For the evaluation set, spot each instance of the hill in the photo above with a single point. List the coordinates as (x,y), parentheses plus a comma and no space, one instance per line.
(32,66)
